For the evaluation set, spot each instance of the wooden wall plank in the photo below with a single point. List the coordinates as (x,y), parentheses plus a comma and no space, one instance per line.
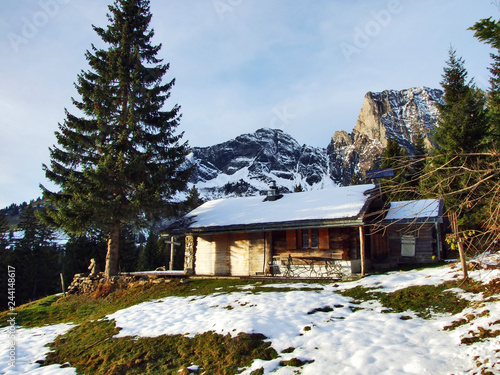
(257,253)
(238,254)
(204,256)
(324,238)
(221,259)
(291,239)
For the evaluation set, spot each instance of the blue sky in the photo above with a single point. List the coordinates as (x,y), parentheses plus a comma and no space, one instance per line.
(302,66)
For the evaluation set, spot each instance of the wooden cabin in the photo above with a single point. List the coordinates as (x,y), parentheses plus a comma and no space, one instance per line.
(411,232)
(320,233)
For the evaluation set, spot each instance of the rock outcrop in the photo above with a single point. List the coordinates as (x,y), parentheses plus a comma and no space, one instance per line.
(398,114)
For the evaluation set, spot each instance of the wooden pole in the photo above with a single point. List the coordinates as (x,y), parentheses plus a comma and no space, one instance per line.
(362,250)
(62,284)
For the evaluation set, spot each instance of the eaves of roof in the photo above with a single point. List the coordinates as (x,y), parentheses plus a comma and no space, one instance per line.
(286,225)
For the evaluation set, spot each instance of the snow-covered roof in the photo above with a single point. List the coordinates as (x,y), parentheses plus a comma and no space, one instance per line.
(416,209)
(326,204)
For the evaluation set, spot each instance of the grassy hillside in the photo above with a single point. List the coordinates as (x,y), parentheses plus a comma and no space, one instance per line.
(91,346)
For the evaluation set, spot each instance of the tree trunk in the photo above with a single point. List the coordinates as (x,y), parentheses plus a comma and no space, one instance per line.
(456,233)
(113,251)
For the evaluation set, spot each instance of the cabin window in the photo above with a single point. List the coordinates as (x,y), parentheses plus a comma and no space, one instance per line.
(310,238)
(408,245)
(314,238)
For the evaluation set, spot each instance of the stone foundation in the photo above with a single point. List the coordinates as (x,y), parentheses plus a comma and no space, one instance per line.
(87,284)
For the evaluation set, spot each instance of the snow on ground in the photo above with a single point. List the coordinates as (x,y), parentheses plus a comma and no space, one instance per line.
(30,347)
(362,340)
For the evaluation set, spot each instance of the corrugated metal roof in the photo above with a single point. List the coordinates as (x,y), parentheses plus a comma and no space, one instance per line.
(416,209)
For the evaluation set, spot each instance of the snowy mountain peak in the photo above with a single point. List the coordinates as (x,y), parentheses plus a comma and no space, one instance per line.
(247,164)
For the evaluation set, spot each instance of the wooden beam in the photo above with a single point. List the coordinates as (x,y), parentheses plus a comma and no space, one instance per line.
(362,250)
(268,251)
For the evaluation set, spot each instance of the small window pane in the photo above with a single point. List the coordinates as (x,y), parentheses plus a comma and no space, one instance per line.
(314,238)
(305,238)
(408,246)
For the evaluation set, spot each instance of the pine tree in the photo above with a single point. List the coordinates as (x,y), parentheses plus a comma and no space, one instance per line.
(129,253)
(417,163)
(298,188)
(395,157)
(462,126)
(121,160)
(36,258)
(393,153)
(461,132)
(193,201)
(149,256)
(488,31)
(4,231)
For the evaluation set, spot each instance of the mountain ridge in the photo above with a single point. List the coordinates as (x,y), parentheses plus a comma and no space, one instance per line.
(247,164)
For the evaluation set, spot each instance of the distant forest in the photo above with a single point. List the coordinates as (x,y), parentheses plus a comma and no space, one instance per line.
(40,254)
(14,211)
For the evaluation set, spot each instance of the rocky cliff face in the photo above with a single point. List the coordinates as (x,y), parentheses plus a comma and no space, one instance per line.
(398,114)
(246,165)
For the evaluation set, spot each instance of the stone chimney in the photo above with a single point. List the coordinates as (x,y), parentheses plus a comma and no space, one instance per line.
(272,193)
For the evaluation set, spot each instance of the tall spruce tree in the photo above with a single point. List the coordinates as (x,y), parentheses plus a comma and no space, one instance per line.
(120,161)
(460,134)
(417,164)
(395,157)
(488,31)
(462,124)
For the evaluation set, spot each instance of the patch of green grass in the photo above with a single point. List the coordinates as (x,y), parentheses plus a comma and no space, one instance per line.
(92,349)
(295,362)
(320,309)
(269,288)
(358,294)
(480,335)
(425,300)
(259,371)
(81,308)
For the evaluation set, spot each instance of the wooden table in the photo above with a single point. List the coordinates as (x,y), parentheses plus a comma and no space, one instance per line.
(310,267)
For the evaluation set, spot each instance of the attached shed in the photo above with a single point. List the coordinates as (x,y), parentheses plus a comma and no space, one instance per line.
(411,232)
(318,233)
